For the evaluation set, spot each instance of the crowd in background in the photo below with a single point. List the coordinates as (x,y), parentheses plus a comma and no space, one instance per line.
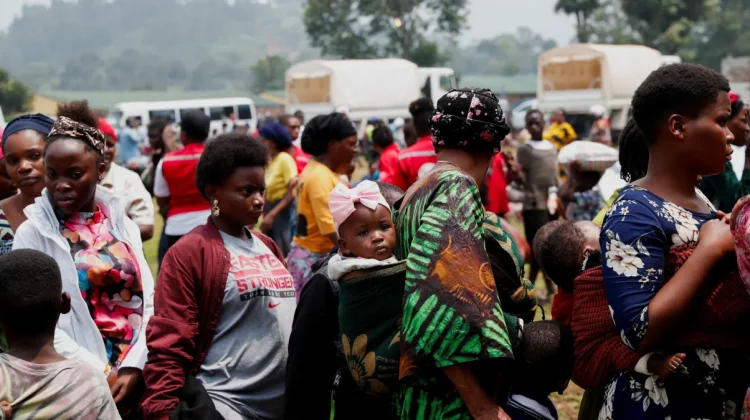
(308,270)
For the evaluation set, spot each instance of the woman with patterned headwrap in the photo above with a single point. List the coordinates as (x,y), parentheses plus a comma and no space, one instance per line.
(84,227)
(454,337)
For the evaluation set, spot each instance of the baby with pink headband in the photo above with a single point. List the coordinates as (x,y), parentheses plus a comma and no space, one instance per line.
(367,236)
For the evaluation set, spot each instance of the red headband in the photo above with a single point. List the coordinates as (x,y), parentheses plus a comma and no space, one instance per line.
(733,97)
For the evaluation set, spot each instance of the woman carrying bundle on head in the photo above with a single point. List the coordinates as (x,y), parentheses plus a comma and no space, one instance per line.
(84,228)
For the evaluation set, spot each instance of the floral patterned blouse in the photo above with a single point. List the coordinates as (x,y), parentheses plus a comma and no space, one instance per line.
(109,279)
(639,230)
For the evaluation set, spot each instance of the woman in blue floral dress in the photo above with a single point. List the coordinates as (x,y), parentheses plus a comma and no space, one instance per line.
(682,110)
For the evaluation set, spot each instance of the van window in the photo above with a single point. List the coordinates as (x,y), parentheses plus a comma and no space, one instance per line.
(186,111)
(243,112)
(219,113)
(162,114)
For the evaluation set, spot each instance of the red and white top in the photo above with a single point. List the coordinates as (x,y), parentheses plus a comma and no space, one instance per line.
(175,178)
(414,162)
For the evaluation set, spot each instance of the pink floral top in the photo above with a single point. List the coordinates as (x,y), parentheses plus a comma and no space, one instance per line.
(109,279)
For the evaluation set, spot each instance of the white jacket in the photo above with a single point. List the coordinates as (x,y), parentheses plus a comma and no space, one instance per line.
(76,335)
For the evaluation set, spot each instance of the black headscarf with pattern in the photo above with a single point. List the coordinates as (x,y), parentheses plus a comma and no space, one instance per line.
(66,127)
(469,119)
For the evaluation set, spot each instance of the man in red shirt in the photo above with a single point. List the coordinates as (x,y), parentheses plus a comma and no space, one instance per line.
(180,202)
(416,161)
(383,143)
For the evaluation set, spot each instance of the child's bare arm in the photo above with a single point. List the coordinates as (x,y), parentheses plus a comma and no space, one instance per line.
(662,365)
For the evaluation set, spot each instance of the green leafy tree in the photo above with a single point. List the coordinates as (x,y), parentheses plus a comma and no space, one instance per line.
(269,73)
(15,97)
(665,24)
(383,28)
(583,10)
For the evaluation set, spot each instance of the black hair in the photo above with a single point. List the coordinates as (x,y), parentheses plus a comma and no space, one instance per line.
(79,112)
(541,236)
(30,291)
(544,358)
(284,119)
(685,89)
(633,152)
(196,125)
(737,107)
(321,130)
(224,154)
(390,192)
(532,112)
(561,254)
(382,136)
(421,110)
(410,134)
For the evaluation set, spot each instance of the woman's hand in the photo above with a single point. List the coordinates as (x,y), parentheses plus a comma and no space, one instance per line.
(716,237)
(127,381)
(493,412)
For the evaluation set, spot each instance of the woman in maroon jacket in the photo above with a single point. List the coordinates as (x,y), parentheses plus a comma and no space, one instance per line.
(225,301)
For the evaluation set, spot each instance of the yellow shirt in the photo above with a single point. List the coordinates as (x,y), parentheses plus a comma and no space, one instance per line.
(280,172)
(599,219)
(314,220)
(560,134)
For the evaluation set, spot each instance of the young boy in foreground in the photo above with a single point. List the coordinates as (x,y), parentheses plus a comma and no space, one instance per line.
(36,381)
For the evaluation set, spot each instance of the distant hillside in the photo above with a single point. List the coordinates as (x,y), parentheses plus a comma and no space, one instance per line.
(150,44)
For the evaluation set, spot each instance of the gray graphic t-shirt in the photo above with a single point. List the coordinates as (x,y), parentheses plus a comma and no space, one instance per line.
(245,367)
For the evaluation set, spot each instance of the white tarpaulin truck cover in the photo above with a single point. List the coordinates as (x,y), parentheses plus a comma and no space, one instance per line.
(361,84)
(623,67)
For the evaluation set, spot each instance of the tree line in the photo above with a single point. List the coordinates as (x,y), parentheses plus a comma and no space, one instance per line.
(699,31)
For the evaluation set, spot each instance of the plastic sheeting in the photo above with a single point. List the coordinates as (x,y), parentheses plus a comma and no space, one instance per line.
(358,84)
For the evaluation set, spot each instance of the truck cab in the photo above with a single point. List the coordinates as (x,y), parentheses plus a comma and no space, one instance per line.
(437,81)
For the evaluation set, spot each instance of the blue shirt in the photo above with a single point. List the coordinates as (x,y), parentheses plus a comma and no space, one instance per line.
(638,233)
(129,145)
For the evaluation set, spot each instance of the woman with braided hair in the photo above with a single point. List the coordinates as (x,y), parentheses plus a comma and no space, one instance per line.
(84,227)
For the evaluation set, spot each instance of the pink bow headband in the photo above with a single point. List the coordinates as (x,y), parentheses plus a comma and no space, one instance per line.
(343,200)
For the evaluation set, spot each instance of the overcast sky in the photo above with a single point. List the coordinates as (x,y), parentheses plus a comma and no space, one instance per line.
(487,18)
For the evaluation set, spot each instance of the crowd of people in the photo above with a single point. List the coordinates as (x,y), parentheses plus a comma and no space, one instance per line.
(288,289)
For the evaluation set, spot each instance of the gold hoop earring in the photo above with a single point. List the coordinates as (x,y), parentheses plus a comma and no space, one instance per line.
(215,210)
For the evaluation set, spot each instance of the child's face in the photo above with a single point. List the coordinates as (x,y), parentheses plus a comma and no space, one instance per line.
(368,233)
(591,233)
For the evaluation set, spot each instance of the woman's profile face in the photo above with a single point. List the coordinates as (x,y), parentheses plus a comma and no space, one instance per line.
(740,128)
(24,160)
(240,198)
(707,138)
(72,174)
(343,152)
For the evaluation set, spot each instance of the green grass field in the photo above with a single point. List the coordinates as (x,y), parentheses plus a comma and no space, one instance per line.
(151,247)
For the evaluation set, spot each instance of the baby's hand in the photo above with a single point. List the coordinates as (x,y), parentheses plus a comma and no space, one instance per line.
(6,410)
(663,367)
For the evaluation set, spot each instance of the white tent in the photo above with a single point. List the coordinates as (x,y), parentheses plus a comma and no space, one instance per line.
(350,83)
